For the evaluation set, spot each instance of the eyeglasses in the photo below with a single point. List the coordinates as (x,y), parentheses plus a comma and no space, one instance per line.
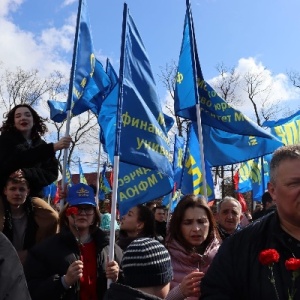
(86,210)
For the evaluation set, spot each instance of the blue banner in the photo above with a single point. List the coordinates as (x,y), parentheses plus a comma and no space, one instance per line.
(82,178)
(57,110)
(178,158)
(111,73)
(192,178)
(215,112)
(50,190)
(222,148)
(104,187)
(88,77)
(287,129)
(68,179)
(143,136)
(139,185)
(254,175)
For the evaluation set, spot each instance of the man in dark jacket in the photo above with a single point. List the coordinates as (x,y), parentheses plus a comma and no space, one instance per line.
(239,270)
(12,279)
(268,206)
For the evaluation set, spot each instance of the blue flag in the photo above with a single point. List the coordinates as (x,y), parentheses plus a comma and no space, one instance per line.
(192,177)
(104,187)
(254,175)
(50,190)
(82,178)
(68,179)
(286,129)
(88,77)
(111,73)
(145,172)
(178,157)
(143,139)
(222,148)
(191,89)
(57,110)
(139,185)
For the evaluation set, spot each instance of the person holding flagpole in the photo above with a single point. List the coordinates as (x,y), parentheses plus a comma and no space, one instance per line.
(23,149)
(75,263)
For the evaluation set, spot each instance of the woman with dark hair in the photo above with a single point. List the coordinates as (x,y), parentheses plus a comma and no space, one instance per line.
(73,264)
(22,148)
(138,222)
(192,241)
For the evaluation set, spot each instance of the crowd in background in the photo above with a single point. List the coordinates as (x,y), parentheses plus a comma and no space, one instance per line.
(201,252)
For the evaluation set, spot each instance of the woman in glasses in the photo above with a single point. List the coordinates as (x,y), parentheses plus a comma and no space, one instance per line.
(74,263)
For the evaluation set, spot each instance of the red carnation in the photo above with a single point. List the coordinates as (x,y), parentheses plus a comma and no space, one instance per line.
(268,257)
(71,211)
(292,264)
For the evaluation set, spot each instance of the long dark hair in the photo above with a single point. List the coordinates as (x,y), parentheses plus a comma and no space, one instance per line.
(39,127)
(190,201)
(146,216)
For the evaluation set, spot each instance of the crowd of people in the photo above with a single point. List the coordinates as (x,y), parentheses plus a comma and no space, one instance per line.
(195,254)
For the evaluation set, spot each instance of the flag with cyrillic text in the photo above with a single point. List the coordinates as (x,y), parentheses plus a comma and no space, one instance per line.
(88,77)
(215,111)
(192,177)
(286,129)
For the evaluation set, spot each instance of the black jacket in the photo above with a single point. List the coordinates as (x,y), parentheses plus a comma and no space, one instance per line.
(49,260)
(12,280)
(236,272)
(37,161)
(122,292)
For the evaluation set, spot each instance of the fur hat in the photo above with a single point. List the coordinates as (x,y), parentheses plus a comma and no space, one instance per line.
(146,262)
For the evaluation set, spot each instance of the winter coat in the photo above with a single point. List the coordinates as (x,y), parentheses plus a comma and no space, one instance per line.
(236,272)
(37,161)
(121,292)
(13,284)
(42,221)
(184,262)
(48,261)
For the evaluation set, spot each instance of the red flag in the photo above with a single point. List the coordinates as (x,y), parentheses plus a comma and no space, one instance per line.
(240,196)
(111,178)
(56,197)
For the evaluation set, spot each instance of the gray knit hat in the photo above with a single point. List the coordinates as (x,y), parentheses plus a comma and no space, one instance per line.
(146,262)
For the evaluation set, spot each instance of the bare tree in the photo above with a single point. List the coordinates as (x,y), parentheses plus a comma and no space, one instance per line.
(168,77)
(227,83)
(294,77)
(20,86)
(258,90)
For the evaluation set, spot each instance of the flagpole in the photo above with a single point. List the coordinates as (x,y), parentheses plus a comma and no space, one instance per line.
(98,170)
(69,100)
(198,111)
(117,141)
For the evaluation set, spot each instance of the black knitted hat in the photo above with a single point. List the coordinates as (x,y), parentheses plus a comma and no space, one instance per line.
(146,262)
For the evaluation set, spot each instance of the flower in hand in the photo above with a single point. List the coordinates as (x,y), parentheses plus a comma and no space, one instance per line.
(72,211)
(267,258)
(293,264)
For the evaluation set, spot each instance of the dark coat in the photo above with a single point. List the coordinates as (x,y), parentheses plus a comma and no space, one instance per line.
(121,292)
(12,280)
(236,272)
(37,161)
(48,261)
